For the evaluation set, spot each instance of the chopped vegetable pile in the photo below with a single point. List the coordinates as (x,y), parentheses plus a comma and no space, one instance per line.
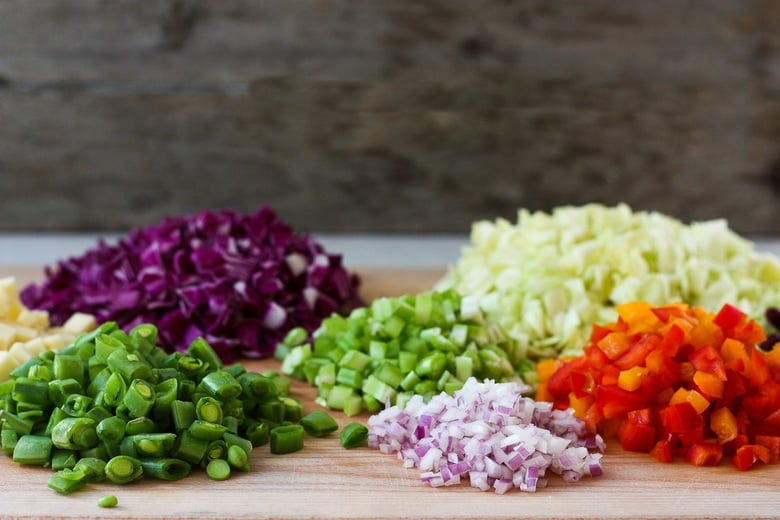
(676,381)
(548,278)
(396,348)
(241,281)
(489,433)
(114,405)
(25,333)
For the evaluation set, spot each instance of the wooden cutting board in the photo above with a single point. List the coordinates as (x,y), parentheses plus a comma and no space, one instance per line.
(325,480)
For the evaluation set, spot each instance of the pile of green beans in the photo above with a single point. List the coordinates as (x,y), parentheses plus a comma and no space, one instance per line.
(113,405)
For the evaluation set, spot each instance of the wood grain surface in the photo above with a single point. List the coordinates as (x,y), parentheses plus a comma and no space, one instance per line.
(326,481)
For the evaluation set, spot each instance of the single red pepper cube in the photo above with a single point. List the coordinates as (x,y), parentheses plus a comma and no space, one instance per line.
(662,451)
(680,418)
(704,454)
(636,437)
(748,455)
(729,317)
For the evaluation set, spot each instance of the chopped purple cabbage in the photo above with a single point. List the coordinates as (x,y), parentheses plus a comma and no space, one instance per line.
(241,281)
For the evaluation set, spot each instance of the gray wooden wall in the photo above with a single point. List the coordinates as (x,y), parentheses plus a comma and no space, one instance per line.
(386,116)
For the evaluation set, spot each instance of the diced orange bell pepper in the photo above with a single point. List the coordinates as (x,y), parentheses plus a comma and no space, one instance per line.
(631,379)
(698,401)
(709,384)
(639,316)
(724,424)
(614,344)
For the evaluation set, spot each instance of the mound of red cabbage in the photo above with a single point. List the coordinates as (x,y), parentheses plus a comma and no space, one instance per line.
(241,281)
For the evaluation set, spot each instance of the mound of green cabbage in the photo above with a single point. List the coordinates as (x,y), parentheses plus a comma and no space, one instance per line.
(548,278)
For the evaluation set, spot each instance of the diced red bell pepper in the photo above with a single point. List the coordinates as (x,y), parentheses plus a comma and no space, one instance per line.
(728,317)
(708,359)
(680,418)
(704,454)
(747,455)
(772,443)
(636,437)
(662,450)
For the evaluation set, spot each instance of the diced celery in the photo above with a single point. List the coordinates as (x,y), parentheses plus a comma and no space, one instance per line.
(407,361)
(393,326)
(355,360)
(390,374)
(379,390)
(349,377)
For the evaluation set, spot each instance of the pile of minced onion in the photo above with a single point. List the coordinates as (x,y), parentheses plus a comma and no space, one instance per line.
(489,433)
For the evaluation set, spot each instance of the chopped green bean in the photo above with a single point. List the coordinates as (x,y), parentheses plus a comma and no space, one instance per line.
(62,459)
(108,501)
(34,450)
(94,469)
(318,423)
(354,435)
(218,469)
(111,429)
(183,413)
(67,481)
(286,439)
(238,458)
(206,430)
(139,398)
(165,468)
(220,384)
(123,469)
(209,409)
(75,433)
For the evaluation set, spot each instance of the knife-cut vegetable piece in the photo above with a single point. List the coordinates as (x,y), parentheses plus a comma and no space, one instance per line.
(108,501)
(318,423)
(286,439)
(354,435)
(696,384)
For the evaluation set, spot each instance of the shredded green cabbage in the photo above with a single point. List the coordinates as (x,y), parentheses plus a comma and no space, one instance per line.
(550,277)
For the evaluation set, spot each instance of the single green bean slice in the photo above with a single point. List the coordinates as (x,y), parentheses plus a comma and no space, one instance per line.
(75,433)
(67,481)
(108,501)
(30,391)
(34,450)
(140,425)
(318,423)
(62,459)
(93,468)
(139,398)
(123,469)
(206,430)
(217,450)
(200,349)
(165,468)
(218,469)
(286,439)
(209,409)
(69,366)
(60,389)
(220,384)
(354,435)
(183,414)
(238,458)
(111,429)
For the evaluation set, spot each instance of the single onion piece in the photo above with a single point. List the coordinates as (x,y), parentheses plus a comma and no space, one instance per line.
(489,433)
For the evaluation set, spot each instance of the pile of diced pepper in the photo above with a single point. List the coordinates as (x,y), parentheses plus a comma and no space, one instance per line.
(676,381)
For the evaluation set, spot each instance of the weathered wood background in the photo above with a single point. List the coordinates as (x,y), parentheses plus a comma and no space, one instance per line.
(386,116)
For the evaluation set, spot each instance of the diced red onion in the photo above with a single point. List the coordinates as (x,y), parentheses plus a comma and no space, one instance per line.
(491,434)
